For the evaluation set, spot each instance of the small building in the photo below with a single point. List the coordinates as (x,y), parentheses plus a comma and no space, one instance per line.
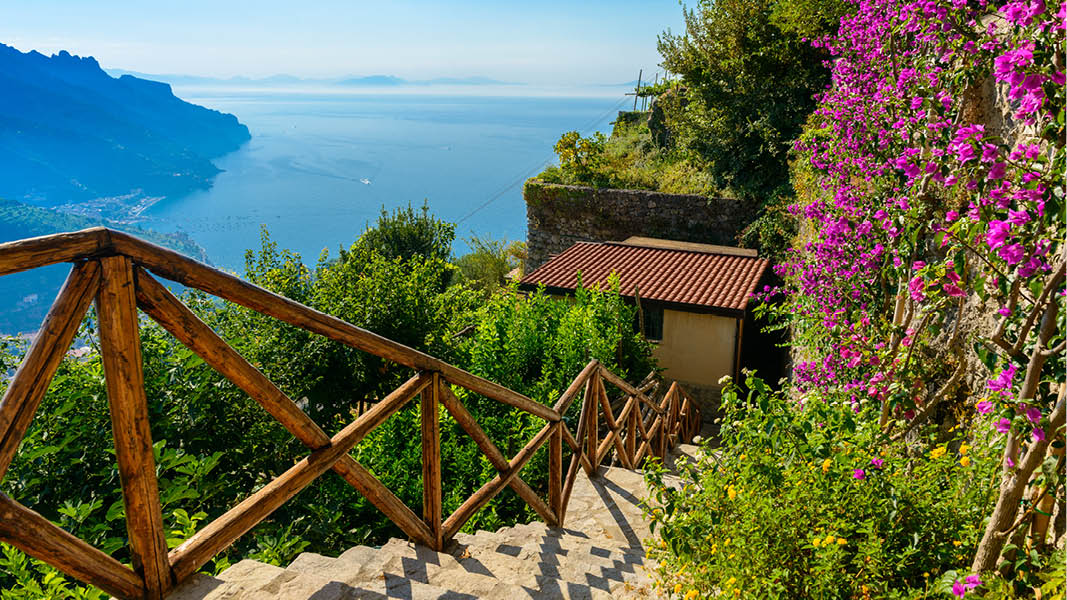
(693,299)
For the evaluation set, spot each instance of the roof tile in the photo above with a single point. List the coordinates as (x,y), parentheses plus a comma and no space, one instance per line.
(697,278)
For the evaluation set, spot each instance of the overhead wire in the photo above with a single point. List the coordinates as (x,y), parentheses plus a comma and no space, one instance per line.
(537,167)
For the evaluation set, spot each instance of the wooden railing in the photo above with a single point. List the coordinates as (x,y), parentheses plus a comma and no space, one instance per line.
(118,272)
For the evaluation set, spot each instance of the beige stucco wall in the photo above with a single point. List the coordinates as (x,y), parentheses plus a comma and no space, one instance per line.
(696,348)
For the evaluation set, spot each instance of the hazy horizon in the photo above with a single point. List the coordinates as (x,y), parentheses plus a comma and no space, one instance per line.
(553,43)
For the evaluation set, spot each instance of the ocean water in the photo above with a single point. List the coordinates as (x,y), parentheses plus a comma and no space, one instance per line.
(320,166)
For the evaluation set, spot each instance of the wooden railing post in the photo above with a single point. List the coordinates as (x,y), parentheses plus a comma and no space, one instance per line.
(431,460)
(592,403)
(120,350)
(631,432)
(555,472)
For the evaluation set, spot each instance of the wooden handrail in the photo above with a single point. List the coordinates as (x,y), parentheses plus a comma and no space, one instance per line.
(116,269)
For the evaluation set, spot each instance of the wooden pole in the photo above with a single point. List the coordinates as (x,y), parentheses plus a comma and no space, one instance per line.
(637,90)
(120,351)
(555,470)
(592,404)
(431,461)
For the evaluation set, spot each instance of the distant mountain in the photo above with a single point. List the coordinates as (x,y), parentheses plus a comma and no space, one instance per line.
(25,297)
(290,80)
(373,80)
(69,132)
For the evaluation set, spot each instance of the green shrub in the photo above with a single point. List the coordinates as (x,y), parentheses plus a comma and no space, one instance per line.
(811,502)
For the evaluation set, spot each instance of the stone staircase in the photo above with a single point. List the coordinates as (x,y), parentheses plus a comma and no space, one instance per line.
(599,554)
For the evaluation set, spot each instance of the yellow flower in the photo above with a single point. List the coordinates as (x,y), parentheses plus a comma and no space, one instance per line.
(938,452)
(965,461)
(829,540)
(690,594)
(731,492)
(864,589)
(841,541)
(816,542)
(957,543)
(826,465)
(731,581)
(727,542)
(677,588)
(964,448)
(737,592)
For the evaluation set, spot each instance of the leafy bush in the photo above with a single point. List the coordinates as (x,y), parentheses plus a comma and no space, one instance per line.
(489,261)
(626,160)
(811,502)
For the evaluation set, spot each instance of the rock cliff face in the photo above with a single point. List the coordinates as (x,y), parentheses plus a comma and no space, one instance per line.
(70,132)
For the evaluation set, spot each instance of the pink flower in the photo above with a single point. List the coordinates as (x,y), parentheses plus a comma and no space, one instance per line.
(958,590)
(951,216)
(877,463)
(916,286)
(859,474)
(1039,434)
(997,171)
(1004,426)
(984,407)
(997,233)
(953,290)
(1018,217)
(1012,254)
(1034,414)
(1003,381)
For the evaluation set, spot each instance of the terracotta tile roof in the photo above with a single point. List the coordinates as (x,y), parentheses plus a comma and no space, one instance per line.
(703,280)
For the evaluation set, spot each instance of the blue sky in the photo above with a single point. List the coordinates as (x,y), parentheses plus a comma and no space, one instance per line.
(580,42)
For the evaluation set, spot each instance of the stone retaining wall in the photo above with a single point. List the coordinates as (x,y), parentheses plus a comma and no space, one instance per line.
(560,215)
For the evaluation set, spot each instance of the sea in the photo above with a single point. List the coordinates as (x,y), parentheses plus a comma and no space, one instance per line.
(322,164)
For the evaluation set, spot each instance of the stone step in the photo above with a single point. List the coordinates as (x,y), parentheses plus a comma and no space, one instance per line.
(558,558)
(437,567)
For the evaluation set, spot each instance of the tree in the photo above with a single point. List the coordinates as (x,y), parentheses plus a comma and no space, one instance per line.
(407,232)
(486,266)
(748,86)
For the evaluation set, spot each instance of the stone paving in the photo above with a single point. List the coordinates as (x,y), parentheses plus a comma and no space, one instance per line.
(599,554)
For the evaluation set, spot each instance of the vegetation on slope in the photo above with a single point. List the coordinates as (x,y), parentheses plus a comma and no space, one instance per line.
(25,297)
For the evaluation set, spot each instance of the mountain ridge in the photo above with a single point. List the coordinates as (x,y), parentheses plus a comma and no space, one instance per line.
(70,132)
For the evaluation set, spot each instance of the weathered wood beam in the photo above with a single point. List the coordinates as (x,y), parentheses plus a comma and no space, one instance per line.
(492,488)
(622,384)
(496,458)
(27,388)
(23,255)
(555,471)
(223,531)
(568,396)
(191,273)
(431,460)
(120,352)
(37,536)
(167,310)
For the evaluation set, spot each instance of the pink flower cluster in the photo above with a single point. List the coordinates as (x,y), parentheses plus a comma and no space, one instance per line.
(914,199)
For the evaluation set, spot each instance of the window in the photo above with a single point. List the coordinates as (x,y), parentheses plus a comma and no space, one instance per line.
(653,325)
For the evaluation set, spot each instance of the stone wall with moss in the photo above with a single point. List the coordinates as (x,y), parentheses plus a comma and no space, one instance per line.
(557,216)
